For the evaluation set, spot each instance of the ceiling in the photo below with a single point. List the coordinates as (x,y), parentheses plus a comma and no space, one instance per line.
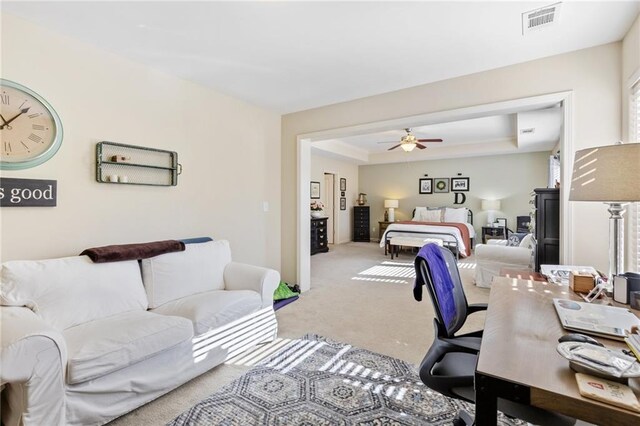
(291,56)
(526,130)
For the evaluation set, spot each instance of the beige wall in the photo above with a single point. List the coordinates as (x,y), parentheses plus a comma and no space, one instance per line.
(342,169)
(230,151)
(594,76)
(630,70)
(509,178)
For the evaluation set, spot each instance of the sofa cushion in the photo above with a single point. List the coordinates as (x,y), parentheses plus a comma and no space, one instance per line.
(173,276)
(100,347)
(73,290)
(214,308)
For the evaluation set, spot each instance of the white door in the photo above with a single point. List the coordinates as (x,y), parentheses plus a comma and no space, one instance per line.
(328,198)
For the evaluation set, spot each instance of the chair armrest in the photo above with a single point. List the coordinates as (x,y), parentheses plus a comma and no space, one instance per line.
(241,276)
(32,366)
(497,242)
(477,307)
(464,342)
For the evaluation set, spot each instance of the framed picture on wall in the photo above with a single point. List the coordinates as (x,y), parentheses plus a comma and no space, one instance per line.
(343,203)
(440,185)
(315,190)
(460,184)
(343,184)
(426,186)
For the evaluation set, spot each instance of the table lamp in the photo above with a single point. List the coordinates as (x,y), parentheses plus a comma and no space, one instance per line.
(391,205)
(491,207)
(609,174)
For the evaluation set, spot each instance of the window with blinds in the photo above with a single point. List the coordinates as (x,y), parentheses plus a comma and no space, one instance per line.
(634,211)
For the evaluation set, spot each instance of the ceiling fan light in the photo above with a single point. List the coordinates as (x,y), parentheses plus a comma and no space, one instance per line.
(408,147)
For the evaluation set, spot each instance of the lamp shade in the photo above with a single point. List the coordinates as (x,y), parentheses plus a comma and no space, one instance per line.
(408,146)
(490,204)
(390,204)
(607,173)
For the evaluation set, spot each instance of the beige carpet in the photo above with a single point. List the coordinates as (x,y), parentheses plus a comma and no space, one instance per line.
(358,296)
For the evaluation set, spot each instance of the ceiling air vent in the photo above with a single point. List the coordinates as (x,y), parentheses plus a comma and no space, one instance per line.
(540,18)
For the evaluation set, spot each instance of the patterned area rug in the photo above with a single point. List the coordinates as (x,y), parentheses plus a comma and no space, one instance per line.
(316,381)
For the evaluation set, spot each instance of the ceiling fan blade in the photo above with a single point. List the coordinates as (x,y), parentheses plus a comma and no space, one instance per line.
(429,140)
(394,147)
(420,146)
(387,142)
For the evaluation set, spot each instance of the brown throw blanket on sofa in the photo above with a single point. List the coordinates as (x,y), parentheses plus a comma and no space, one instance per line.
(120,252)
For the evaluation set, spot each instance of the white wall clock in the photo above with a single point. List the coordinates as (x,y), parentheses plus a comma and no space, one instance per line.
(30,129)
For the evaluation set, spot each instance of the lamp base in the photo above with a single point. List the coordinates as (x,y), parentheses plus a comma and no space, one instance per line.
(616,249)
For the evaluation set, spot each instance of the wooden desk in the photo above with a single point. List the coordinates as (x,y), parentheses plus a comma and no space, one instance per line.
(522,274)
(518,359)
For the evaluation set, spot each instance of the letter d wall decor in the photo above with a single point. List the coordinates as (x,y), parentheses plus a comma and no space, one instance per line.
(459,198)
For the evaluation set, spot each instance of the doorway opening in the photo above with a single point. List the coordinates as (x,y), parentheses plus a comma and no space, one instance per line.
(564,99)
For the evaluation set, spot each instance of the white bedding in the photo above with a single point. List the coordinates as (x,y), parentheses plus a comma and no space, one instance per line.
(455,236)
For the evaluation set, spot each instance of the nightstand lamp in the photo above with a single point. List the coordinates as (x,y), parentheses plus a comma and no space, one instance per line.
(609,174)
(491,207)
(390,205)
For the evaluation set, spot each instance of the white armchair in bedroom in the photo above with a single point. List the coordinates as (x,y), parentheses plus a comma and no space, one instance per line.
(496,255)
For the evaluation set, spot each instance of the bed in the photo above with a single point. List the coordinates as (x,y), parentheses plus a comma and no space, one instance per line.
(454,226)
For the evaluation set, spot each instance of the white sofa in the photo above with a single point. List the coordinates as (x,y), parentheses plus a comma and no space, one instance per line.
(496,255)
(83,342)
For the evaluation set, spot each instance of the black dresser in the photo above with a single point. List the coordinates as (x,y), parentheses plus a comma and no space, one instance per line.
(319,235)
(547,202)
(361,223)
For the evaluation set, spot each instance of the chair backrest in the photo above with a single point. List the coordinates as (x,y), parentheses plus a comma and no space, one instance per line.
(450,304)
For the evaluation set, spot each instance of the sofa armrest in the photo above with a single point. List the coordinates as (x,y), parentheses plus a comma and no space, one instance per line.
(32,366)
(503,254)
(497,242)
(240,276)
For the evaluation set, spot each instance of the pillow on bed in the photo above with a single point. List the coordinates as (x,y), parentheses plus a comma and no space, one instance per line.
(431,216)
(417,215)
(455,215)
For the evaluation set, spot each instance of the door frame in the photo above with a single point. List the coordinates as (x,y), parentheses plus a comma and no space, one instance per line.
(304,142)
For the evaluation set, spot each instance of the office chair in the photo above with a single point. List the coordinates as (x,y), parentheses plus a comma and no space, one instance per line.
(450,363)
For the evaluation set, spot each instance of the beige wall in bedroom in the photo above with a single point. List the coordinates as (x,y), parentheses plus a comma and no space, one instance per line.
(342,169)
(230,151)
(509,178)
(594,76)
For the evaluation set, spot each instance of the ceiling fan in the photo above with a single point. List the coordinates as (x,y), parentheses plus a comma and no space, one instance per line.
(408,142)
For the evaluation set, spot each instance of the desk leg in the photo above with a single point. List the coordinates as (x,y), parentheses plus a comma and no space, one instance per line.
(486,401)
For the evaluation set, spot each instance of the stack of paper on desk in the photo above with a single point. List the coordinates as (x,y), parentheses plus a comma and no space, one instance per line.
(633,341)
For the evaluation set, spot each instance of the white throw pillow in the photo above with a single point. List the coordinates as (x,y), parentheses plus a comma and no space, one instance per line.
(417,215)
(73,290)
(432,216)
(456,215)
(175,275)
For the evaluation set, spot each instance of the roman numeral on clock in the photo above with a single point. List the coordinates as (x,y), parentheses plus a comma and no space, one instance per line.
(7,147)
(35,115)
(4,99)
(35,138)
(25,145)
(37,127)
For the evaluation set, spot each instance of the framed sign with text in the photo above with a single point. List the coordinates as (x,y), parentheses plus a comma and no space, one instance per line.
(16,192)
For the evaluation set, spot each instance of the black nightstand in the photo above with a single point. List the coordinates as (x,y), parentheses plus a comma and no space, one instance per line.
(489,233)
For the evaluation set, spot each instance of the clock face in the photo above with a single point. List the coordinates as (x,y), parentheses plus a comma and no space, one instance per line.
(30,129)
